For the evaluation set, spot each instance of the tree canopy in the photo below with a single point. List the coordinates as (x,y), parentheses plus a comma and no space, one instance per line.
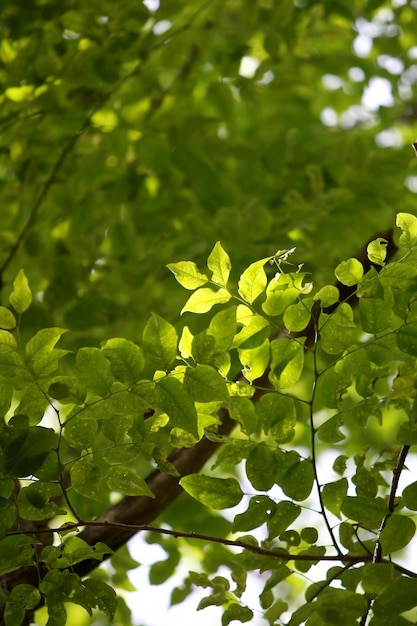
(208,282)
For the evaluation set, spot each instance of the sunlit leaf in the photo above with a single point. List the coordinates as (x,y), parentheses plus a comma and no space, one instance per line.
(217,493)
(408,224)
(159,343)
(253,281)
(188,274)
(349,272)
(7,319)
(377,251)
(219,263)
(21,296)
(287,360)
(204,299)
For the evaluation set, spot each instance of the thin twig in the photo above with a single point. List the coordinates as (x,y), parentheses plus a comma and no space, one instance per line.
(377,555)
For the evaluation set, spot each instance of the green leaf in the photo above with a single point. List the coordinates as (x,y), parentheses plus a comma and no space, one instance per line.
(242,410)
(282,291)
(159,343)
(74,550)
(8,514)
(364,510)
(255,331)
(400,596)
(126,481)
(174,400)
(261,467)
(161,571)
(377,251)
(278,416)
(7,319)
(255,360)
(237,612)
(337,330)
(410,496)
(43,342)
(217,493)
(376,314)
(260,508)
(298,480)
(223,328)
(185,343)
(25,448)
(408,225)
(333,495)
(349,606)
(287,361)
(327,295)
(39,350)
(253,280)
(219,263)
(330,431)
(21,597)
(101,596)
(80,433)
(407,338)
(16,552)
(349,272)
(86,478)
(126,358)
(35,501)
(188,274)
(94,370)
(297,316)
(21,296)
(6,395)
(7,341)
(377,577)
(284,515)
(205,384)
(397,533)
(205,299)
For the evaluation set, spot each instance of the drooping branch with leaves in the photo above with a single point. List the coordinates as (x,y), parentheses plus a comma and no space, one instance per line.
(95,419)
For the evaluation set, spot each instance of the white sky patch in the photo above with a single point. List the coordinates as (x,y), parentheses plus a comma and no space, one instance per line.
(362,45)
(329,117)
(356,114)
(162,27)
(152,5)
(332,82)
(268,77)
(356,74)
(390,138)
(391,64)
(377,93)
(248,66)
(411,183)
